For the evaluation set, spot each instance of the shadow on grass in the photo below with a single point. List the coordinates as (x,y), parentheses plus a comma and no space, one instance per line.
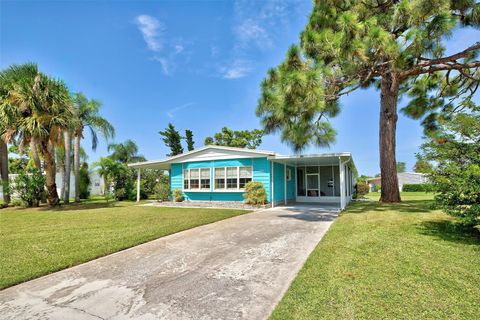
(450,230)
(407,206)
(79,206)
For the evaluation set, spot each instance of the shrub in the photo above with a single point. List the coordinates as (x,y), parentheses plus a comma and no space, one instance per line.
(424,187)
(29,187)
(361,189)
(162,191)
(255,193)
(177,195)
(123,184)
(84,177)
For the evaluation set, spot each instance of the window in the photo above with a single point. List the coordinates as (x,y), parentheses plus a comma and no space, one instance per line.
(245,176)
(219,178)
(232,178)
(196,179)
(205,178)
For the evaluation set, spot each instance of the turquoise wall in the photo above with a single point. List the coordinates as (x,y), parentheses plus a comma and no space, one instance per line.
(261,173)
(278,182)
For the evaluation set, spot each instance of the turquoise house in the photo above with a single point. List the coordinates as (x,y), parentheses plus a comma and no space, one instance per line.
(216,173)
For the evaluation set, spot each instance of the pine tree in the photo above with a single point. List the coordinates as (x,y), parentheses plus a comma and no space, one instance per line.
(189,139)
(172,139)
(396,46)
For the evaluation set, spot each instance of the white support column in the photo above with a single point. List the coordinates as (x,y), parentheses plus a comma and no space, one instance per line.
(285,182)
(342,183)
(138,185)
(273,184)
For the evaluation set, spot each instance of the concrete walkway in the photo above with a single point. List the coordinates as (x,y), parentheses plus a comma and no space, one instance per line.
(237,268)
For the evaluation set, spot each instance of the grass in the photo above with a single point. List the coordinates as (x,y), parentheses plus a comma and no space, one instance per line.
(36,242)
(389,261)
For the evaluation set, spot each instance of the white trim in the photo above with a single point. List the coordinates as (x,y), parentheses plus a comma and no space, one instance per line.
(246,152)
(273,183)
(200,189)
(138,184)
(238,189)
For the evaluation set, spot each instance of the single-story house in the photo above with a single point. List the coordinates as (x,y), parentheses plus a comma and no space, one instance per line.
(216,173)
(403,178)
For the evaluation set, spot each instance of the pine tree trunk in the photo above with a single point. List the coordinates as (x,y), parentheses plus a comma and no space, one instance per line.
(50,170)
(68,160)
(76,167)
(388,128)
(4,171)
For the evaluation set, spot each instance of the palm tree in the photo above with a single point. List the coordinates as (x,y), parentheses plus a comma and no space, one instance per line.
(88,112)
(4,171)
(125,152)
(35,106)
(106,169)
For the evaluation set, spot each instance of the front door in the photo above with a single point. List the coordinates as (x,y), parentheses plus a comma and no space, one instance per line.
(313,185)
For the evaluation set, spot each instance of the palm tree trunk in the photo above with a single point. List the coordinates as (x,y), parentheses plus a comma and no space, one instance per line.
(35,156)
(68,160)
(76,166)
(388,127)
(63,172)
(4,171)
(49,161)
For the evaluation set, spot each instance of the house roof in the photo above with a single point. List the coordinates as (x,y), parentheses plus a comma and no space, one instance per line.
(235,152)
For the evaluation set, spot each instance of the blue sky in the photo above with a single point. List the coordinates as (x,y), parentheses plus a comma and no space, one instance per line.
(195,64)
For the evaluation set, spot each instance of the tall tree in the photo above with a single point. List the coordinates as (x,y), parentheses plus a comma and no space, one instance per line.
(126,152)
(189,139)
(172,139)
(88,112)
(250,139)
(4,171)
(401,167)
(36,106)
(396,46)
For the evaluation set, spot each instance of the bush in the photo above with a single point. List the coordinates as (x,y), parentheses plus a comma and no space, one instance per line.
(29,187)
(425,187)
(255,193)
(162,191)
(84,178)
(123,184)
(361,189)
(177,195)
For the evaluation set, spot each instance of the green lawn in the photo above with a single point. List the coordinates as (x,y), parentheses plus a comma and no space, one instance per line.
(398,261)
(35,242)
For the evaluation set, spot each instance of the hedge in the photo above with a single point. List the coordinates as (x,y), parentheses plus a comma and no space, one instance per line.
(425,187)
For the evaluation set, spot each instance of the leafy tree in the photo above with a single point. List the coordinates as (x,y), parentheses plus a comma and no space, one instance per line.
(250,139)
(422,166)
(401,167)
(35,106)
(151,178)
(172,139)
(396,46)
(456,176)
(88,112)
(189,139)
(126,152)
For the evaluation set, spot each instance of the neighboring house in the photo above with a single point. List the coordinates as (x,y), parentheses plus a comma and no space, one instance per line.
(215,173)
(96,183)
(403,178)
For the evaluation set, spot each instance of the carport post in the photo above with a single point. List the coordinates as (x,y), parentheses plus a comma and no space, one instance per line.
(138,185)
(285,182)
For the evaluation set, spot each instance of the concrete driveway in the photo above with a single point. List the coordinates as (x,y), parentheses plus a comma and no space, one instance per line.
(237,268)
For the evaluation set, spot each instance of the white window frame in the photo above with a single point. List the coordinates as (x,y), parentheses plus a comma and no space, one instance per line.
(199,180)
(225,189)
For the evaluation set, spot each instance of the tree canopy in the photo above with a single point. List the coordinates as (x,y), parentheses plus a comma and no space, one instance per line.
(250,139)
(189,140)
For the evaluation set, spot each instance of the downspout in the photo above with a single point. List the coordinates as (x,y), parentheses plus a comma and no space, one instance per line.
(273,184)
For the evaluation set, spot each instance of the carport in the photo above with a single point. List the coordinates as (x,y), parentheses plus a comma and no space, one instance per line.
(319,181)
